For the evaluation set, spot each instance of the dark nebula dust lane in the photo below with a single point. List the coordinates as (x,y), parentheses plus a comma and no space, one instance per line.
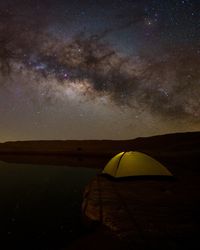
(103,69)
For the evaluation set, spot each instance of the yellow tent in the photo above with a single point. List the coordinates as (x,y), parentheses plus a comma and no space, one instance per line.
(134,164)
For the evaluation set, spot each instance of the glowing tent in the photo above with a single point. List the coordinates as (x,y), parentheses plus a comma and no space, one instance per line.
(134,164)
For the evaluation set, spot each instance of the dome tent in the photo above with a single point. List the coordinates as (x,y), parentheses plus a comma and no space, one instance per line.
(134,163)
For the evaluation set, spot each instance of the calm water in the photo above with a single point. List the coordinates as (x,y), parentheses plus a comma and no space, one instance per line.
(40,206)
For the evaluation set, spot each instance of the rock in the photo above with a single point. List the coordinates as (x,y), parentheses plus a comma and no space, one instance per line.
(158,214)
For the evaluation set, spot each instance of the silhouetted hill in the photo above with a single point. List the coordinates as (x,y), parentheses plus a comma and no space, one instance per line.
(174,150)
(168,142)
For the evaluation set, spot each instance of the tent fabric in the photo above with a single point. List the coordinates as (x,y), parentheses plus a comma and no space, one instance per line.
(135,164)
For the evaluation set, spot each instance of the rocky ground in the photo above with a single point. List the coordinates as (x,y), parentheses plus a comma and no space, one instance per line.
(146,213)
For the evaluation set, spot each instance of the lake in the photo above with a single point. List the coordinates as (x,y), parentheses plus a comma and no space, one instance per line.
(40,206)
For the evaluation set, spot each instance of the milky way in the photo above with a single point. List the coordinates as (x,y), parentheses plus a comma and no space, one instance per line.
(98,70)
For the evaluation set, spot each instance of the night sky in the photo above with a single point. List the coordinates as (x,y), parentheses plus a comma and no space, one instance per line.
(98,69)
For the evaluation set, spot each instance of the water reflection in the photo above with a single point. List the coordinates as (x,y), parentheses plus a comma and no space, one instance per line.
(40,205)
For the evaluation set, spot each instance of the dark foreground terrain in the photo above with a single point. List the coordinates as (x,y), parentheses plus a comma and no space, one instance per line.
(130,213)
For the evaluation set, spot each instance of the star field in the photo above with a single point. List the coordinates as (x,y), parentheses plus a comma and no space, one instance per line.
(98,69)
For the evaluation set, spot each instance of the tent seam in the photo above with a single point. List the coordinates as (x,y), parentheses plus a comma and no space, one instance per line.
(119,162)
